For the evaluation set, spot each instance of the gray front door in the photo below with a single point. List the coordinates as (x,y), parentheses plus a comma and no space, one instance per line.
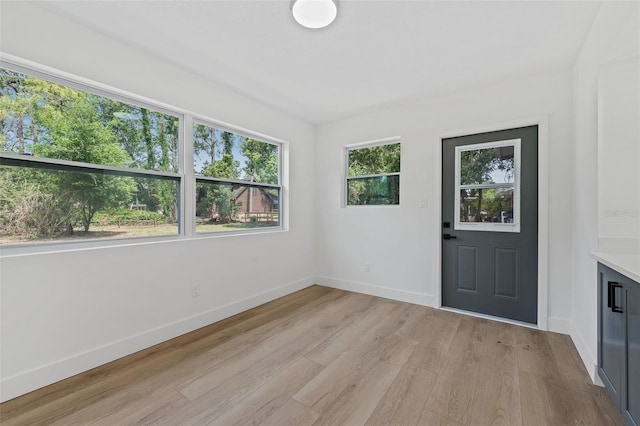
(490,223)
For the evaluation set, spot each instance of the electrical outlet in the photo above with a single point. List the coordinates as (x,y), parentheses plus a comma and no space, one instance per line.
(195,291)
(367,267)
(424,203)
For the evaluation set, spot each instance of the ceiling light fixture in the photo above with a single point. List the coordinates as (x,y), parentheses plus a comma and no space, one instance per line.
(314,13)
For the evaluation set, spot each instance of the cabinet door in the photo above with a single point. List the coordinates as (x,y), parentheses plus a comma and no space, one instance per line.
(631,402)
(611,333)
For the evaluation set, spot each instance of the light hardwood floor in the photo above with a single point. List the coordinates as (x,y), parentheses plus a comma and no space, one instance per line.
(327,357)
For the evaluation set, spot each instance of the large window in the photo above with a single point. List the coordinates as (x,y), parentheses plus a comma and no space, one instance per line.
(237,180)
(77,163)
(373,174)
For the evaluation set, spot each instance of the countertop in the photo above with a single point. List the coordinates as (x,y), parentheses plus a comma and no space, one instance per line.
(627,264)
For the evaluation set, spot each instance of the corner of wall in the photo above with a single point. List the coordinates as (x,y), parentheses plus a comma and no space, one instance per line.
(611,36)
(379,291)
(588,359)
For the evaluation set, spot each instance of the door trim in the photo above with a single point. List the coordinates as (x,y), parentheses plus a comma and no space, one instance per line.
(543,205)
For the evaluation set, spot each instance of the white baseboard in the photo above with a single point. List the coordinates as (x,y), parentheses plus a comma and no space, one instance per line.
(36,378)
(559,325)
(588,358)
(374,290)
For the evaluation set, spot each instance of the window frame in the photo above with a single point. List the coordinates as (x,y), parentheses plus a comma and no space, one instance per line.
(345,179)
(185,175)
(246,183)
(489,226)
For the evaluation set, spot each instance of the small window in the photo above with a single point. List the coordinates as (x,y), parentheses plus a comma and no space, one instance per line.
(373,175)
(487,191)
(237,181)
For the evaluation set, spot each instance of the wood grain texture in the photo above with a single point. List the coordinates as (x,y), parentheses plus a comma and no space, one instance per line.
(403,402)
(328,357)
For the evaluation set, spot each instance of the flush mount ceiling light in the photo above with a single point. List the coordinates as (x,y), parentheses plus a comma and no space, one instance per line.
(314,13)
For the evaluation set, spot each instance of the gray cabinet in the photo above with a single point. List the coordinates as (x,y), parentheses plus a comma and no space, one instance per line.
(631,406)
(619,341)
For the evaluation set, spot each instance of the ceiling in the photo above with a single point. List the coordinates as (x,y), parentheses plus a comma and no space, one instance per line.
(376,52)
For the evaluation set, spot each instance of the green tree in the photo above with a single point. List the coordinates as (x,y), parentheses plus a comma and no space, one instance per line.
(476,167)
(216,200)
(18,131)
(261,163)
(204,142)
(29,208)
(74,133)
(374,160)
(150,139)
(220,196)
(50,120)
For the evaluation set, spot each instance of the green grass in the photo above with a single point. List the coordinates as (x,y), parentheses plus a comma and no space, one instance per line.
(113,231)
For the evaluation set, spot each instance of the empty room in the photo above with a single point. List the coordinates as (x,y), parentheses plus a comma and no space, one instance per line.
(319,212)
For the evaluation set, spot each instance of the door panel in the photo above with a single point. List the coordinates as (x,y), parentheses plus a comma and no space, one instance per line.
(467,270)
(506,272)
(490,193)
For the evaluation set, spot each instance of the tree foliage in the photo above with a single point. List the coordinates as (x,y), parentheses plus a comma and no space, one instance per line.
(482,166)
(374,160)
(261,161)
(229,156)
(45,119)
(373,164)
(54,121)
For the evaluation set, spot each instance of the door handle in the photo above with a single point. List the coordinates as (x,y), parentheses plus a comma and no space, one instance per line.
(613,286)
(449,237)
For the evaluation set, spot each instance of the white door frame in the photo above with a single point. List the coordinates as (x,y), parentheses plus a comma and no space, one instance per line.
(543,208)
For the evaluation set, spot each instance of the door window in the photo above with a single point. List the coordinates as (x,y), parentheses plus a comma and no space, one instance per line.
(487,187)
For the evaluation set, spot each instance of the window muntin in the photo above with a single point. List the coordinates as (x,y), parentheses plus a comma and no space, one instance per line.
(373,175)
(487,187)
(237,181)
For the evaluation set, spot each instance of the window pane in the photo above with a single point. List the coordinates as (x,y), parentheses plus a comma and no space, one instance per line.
(374,160)
(232,207)
(50,120)
(493,205)
(490,165)
(51,205)
(373,190)
(226,155)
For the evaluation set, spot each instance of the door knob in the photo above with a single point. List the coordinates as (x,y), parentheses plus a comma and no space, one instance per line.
(449,237)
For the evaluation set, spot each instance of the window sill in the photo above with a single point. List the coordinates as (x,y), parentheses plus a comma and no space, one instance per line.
(386,206)
(35,249)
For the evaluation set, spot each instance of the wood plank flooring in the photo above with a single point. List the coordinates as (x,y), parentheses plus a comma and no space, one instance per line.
(328,357)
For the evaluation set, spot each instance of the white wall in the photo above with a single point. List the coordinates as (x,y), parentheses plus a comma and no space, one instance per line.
(614,36)
(619,151)
(63,313)
(402,242)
